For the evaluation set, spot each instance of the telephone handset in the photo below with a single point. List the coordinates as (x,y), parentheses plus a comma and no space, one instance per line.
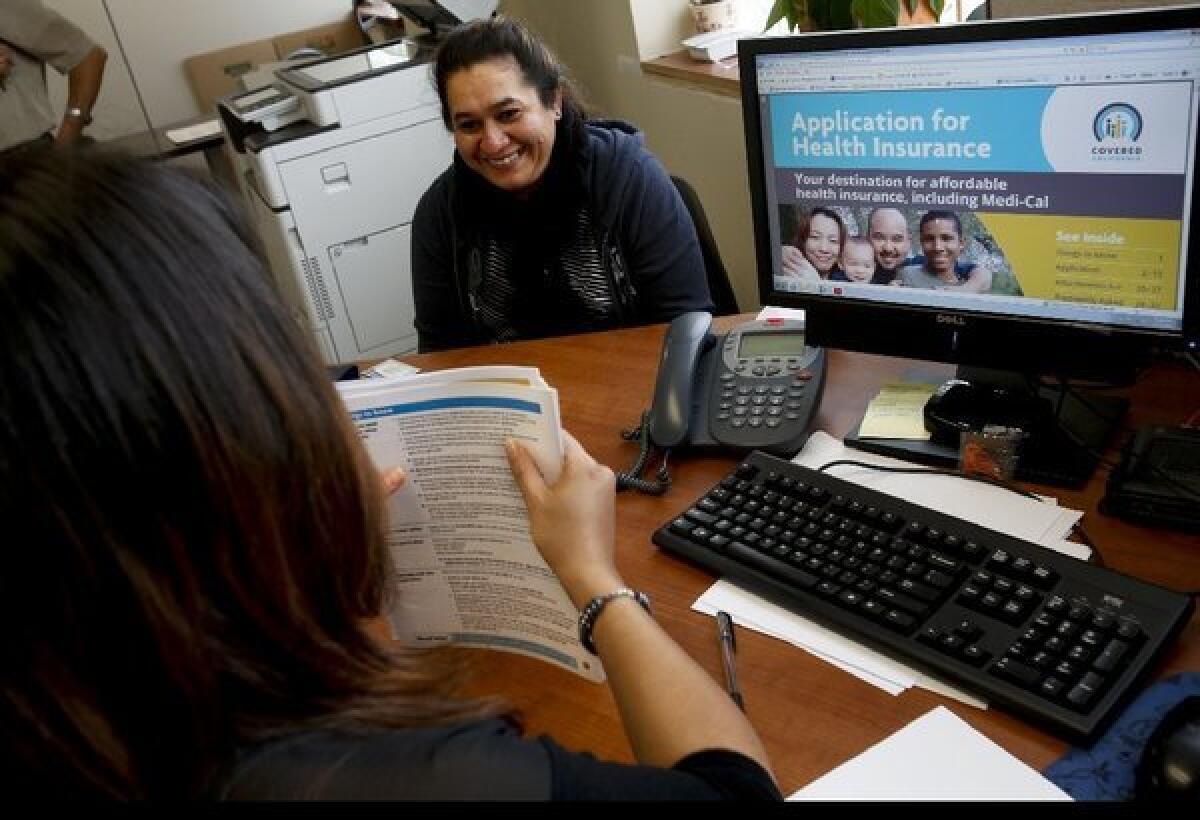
(758,387)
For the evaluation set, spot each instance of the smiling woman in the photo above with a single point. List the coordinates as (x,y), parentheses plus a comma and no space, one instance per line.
(548,222)
(502,130)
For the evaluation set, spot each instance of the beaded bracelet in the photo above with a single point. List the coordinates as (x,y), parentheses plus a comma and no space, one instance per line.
(589,614)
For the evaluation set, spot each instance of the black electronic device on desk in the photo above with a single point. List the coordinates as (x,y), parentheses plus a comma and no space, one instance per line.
(756,387)
(1051,638)
(1064,432)
(1158,479)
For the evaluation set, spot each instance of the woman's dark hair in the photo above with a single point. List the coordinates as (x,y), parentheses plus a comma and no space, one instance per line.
(482,40)
(805,221)
(195,534)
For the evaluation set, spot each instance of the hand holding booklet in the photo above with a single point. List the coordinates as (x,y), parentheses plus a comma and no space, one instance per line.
(466,570)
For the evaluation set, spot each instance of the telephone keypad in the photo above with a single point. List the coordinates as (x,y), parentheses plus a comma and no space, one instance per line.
(765,401)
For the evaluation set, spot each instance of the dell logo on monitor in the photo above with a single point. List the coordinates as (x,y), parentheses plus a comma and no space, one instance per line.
(951,319)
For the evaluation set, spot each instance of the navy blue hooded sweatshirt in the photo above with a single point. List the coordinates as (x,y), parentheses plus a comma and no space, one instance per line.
(604,241)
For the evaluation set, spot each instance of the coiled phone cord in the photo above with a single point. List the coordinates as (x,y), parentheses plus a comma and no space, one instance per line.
(632,479)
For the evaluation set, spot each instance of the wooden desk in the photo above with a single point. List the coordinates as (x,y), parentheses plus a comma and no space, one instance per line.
(811,715)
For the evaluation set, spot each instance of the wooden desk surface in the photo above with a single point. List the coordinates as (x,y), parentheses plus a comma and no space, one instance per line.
(811,715)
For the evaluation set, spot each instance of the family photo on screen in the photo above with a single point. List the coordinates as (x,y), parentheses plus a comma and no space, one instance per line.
(934,249)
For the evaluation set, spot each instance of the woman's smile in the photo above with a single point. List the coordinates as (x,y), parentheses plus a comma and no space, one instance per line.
(502,129)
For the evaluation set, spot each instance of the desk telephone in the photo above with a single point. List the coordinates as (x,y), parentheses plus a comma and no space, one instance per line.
(756,388)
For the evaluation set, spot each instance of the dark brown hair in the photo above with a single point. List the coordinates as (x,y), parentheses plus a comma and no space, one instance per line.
(805,221)
(499,37)
(195,536)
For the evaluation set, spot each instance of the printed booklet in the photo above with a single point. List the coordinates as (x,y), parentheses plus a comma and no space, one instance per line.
(466,570)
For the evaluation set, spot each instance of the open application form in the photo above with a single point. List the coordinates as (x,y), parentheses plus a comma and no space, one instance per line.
(466,568)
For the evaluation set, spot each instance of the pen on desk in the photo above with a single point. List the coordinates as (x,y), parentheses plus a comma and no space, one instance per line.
(728,660)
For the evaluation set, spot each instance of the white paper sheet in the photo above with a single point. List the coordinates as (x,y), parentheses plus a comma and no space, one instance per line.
(938,756)
(389,368)
(208,128)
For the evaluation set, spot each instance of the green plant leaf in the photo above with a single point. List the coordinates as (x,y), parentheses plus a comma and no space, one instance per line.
(912,6)
(778,12)
(817,14)
(937,6)
(876,13)
(841,15)
(797,14)
(794,11)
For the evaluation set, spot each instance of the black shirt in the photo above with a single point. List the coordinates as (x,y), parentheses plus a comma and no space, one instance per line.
(484,760)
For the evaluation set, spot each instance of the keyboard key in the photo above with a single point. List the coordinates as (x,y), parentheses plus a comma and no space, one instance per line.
(1017,672)
(902,601)
(771,566)
(975,655)
(899,620)
(918,590)
(1052,688)
(968,629)
(1085,691)
(682,526)
(1129,630)
(1110,658)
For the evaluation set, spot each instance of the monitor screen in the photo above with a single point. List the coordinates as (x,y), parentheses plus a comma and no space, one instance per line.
(995,193)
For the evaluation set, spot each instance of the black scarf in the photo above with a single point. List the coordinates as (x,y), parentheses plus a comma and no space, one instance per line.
(536,229)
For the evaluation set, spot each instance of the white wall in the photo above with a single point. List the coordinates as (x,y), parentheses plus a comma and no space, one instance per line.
(159,34)
(156,36)
(659,25)
(697,134)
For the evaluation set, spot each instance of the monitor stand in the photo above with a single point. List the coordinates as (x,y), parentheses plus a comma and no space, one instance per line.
(1064,449)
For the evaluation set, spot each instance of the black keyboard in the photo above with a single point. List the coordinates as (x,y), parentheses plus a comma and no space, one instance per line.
(1055,640)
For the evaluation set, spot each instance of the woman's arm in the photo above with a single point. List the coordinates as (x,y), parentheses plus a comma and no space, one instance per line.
(669,705)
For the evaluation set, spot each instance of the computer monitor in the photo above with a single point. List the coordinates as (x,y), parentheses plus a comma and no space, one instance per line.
(1015,195)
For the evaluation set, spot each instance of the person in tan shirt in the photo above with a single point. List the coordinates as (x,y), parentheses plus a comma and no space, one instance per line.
(32,37)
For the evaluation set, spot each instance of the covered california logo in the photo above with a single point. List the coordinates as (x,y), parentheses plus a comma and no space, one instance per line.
(1117,127)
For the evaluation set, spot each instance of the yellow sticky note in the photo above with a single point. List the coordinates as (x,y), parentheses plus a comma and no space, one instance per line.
(898,412)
